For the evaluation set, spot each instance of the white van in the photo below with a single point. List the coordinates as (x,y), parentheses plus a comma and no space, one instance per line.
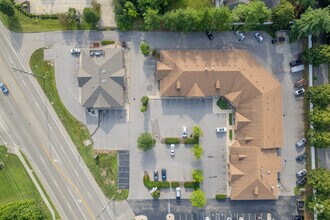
(297,68)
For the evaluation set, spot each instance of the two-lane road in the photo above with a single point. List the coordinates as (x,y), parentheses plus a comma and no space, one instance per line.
(40,134)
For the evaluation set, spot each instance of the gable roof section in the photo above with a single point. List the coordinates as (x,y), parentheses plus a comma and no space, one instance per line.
(102,79)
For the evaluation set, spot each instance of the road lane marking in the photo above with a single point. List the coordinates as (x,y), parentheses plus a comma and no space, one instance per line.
(58,158)
(75,171)
(69,206)
(70,182)
(56,183)
(75,201)
(89,195)
(42,160)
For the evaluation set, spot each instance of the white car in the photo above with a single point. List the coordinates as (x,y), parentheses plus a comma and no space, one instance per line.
(299,92)
(221,129)
(184,132)
(259,37)
(172,151)
(75,51)
(301,142)
(301,173)
(178,193)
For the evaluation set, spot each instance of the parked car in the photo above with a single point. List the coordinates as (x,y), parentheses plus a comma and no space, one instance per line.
(75,51)
(300,205)
(301,181)
(240,35)
(299,92)
(178,193)
(164,174)
(156,175)
(4,88)
(221,129)
(300,83)
(297,69)
(258,37)
(207,218)
(209,35)
(295,63)
(184,131)
(301,173)
(298,217)
(301,142)
(172,149)
(301,157)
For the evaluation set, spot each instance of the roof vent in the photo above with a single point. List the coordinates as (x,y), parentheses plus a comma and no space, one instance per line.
(268,171)
(178,85)
(255,191)
(205,68)
(272,187)
(217,84)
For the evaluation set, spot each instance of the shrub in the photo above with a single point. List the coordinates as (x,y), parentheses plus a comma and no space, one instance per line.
(198,132)
(198,199)
(220,196)
(198,151)
(143,108)
(230,134)
(156,194)
(145,100)
(145,48)
(191,141)
(150,184)
(197,176)
(175,184)
(191,185)
(230,118)
(145,141)
(106,42)
(172,141)
(222,104)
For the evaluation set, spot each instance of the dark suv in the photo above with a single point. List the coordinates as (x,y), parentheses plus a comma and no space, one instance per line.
(209,35)
(295,63)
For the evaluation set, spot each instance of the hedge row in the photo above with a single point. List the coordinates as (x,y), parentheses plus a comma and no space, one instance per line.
(106,42)
(193,185)
(191,140)
(41,16)
(174,184)
(151,184)
(172,140)
(221,196)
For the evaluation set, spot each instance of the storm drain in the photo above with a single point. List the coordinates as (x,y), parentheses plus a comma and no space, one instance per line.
(123,169)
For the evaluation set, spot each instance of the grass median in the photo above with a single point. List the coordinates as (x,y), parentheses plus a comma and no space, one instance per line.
(105,169)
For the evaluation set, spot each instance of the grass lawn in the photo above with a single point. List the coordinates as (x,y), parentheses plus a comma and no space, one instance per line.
(15,183)
(106,178)
(196,4)
(22,23)
(222,104)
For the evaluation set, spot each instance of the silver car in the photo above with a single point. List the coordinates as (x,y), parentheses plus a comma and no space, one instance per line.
(299,92)
(301,142)
(258,37)
(172,150)
(184,131)
(240,35)
(301,173)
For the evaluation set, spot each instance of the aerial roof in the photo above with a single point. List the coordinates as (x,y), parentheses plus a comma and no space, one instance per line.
(101,79)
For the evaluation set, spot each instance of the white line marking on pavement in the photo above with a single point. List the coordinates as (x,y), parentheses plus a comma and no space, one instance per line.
(69,206)
(75,171)
(89,195)
(56,183)
(75,201)
(58,158)
(42,160)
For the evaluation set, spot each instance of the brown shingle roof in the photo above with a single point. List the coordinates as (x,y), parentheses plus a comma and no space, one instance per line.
(254,92)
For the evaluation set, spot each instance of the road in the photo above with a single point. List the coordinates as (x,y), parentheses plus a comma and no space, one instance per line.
(31,124)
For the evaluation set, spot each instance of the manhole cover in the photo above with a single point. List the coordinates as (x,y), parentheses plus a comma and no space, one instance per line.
(149,87)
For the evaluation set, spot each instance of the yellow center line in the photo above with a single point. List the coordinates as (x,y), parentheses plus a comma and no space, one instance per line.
(69,181)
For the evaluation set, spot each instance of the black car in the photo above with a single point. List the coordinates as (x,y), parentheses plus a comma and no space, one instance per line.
(295,63)
(301,181)
(209,35)
(156,175)
(300,205)
(164,174)
(301,157)
(298,217)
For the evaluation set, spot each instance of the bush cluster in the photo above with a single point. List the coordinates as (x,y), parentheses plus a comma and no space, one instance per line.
(220,196)
(175,184)
(107,42)
(156,194)
(151,184)
(191,141)
(145,101)
(172,140)
(145,48)
(192,185)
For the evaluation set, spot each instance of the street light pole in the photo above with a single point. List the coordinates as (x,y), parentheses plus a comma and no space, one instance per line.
(45,101)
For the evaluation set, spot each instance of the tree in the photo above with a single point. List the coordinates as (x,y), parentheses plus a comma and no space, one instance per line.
(7,8)
(313,21)
(28,209)
(317,55)
(145,141)
(282,14)
(91,16)
(68,18)
(319,95)
(252,14)
(131,11)
(198,132)
(198,151)
(319,139)
(197,176)
(125,14)
(320,119)
(319,179)
(153,4)
(145,48)
(222,19)
(307,3)
(151,19)
(320,206)
(198,198)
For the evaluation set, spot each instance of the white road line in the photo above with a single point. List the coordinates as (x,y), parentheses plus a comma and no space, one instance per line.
(69,206)
(75,171)
(37,105)
(42,160)
(3,140)
(76,203)
(56,183)
(58,158)
(89,195)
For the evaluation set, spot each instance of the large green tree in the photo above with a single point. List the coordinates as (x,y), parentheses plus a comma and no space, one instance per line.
(91,16)
(252,14)
(319,95)
(319,179)
(320,205)
(7,8)
(320,119)
(151,19)
(145,141)
(313,21)
(319,139)
(317,55)
(23,210)
(222,19)
(198,198)
(68,18)
(307,3)
(282,14)
(125,14)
